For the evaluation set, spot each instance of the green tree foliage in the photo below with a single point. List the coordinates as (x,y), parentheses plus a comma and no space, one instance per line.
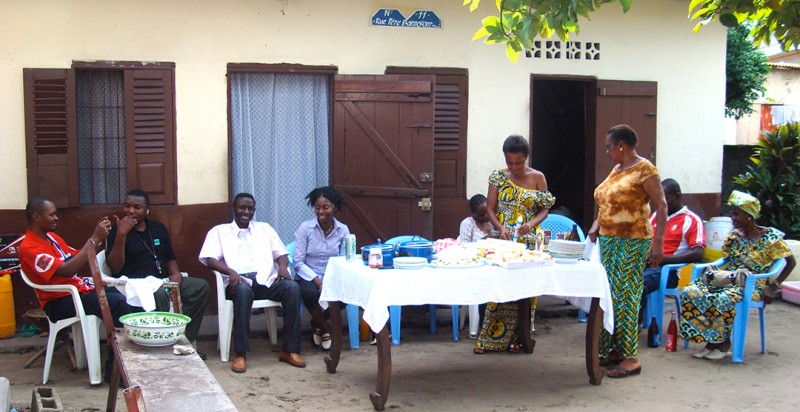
(519,21)
(774,178)
(746,71)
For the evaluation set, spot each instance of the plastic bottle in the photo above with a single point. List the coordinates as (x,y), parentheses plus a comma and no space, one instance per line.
(672,335)
(518,225)
(574,234)
(652,333)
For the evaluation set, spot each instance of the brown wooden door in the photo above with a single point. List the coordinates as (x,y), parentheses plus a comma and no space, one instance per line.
(382,154)
(624,102)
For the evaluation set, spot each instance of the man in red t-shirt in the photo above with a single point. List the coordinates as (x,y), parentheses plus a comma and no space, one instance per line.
(684,239)
(47,260)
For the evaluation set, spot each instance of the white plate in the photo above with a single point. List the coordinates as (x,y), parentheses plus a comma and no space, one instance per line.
(435,264)
(564,261)
(409,267)
(409,261)
(520,265)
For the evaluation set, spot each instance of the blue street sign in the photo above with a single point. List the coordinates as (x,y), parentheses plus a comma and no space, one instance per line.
(395,18)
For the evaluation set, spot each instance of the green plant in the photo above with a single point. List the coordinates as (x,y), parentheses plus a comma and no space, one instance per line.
(746,71)
(774,178)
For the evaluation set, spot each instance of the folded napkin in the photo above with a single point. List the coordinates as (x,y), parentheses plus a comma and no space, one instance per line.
(591,251)
(139,292)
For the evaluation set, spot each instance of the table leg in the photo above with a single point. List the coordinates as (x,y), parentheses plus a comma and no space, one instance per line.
(524,325)
(593,324)
(381,393)
(332,361)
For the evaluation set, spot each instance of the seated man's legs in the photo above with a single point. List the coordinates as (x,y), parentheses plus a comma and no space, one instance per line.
(242,297)
(288,293)
(64,308)
(194,293)
(652,281)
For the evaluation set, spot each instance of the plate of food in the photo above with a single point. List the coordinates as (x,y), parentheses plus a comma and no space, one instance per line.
(518,259)
(463,263)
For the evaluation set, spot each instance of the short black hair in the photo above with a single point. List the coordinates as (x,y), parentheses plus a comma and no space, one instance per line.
(476,201)
(671,186)
(328,193)
(516,144)
(244,195)
(625,134)
(35,205)
(139,193)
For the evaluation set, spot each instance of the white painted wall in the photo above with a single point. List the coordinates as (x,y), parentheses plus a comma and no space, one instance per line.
(652,42)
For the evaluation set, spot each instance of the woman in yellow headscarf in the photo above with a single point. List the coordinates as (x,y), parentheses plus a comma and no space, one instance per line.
(707,311)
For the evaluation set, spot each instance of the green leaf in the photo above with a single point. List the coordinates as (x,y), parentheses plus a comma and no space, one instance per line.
(482,32)
(626,5)
(512,54)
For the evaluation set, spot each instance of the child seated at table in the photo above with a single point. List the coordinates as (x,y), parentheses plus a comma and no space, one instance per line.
(477,226)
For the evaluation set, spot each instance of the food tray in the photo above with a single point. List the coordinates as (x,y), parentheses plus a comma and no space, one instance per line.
(521,265)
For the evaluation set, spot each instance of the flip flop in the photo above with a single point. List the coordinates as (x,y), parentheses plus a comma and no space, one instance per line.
(514,348)
(326,341)
(619,372)
(479,351)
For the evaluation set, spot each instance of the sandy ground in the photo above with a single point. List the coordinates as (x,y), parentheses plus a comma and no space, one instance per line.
(431,372)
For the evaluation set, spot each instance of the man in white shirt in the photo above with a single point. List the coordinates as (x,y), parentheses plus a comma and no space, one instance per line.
(254,264)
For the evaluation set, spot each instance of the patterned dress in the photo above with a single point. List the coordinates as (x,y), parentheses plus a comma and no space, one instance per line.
(625,239)
(707,312)
(499,328)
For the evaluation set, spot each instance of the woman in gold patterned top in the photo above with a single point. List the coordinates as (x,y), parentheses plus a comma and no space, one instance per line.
(515,191)
(626,236)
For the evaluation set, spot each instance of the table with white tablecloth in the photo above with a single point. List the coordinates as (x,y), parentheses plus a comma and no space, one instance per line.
(583,283)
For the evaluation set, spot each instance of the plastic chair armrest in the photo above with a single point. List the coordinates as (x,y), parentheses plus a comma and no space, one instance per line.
(700,267)
(665,273)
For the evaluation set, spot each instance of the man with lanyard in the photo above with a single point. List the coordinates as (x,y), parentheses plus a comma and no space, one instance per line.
(139,247)
(684,240)
(47,260)
(254,264)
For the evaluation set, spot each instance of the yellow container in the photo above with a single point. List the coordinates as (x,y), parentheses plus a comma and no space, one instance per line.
(685,276)
(8,324)
(717,230)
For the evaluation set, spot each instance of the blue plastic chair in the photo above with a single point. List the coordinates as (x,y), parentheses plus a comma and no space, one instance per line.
(739,331)
(655,300)
(559,224)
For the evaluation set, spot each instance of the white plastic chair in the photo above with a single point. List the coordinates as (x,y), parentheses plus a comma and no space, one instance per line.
(84,333)
(225,316)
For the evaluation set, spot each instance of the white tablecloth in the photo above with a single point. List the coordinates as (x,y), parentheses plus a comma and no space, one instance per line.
(377,289)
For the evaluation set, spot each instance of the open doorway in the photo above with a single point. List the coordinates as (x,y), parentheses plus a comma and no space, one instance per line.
(559,128)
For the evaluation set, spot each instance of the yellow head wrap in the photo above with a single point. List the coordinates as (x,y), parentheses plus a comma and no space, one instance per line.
(746,202)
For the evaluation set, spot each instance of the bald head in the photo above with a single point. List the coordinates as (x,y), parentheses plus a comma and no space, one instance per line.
(36,205)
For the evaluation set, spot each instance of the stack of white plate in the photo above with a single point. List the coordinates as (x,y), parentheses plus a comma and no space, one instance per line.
(566,250)
(409,262)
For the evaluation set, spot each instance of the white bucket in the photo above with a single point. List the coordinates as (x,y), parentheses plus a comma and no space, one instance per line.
(794,246)
(717,230)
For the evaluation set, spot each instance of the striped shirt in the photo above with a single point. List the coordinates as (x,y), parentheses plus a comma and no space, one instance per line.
(684,232)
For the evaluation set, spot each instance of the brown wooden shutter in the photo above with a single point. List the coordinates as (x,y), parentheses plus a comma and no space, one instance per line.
(150,132)
(51,135)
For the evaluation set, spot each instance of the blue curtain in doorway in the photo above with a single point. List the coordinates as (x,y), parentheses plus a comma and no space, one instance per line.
(280,127)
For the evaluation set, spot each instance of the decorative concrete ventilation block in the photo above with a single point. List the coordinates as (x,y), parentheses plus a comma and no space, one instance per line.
(46,400)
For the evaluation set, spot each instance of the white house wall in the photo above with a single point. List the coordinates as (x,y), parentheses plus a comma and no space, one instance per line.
(652,42)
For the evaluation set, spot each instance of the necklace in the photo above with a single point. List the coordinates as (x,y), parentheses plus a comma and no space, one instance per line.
(146,246)
(328,230)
